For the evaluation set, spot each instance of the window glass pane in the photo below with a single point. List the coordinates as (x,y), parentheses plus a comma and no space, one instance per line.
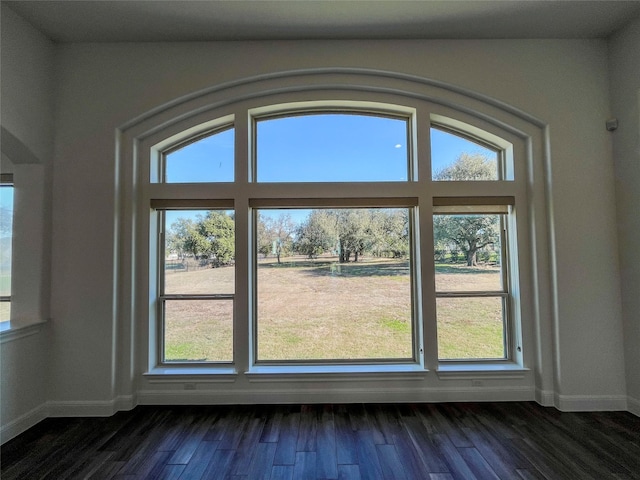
(470,328)
(199,252)
(209,159)
(6,235)
(467,253)
(456,158)
(198,331)
(334,284)
(332,148)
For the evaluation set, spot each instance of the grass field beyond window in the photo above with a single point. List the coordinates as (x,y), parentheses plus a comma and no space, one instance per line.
(321,309)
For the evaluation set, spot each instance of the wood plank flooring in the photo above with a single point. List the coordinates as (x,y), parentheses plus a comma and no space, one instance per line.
(355,441)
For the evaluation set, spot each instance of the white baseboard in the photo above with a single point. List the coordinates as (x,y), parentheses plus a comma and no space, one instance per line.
(216,397)
(633,406)
(546,398)
(23,423)
(97,408)
(591,403)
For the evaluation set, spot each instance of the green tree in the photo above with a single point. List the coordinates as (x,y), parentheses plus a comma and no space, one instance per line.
(316,235)
(212,236)
(468,233)
(390,232)
(469,166)
(353,232)
(217,237)
(183,238)
(275,235)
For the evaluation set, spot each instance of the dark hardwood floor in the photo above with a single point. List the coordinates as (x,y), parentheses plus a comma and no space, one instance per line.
(412,441)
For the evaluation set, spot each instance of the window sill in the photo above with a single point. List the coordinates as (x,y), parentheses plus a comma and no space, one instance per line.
(485,371)
(335,373)
(187,374)
(9,332)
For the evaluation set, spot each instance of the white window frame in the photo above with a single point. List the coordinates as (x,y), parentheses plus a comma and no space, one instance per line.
(502,207)
(244,193)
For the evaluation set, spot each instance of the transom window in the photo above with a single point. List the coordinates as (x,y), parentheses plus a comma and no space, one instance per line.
(321,255)
(207,158)
(332,147)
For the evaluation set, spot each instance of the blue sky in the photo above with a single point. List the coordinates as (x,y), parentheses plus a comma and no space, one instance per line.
(331,147)
(316,148)
(6,197)
(6,201)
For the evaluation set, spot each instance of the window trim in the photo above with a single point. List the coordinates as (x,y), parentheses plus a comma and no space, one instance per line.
(503,206)
(502,186)
(162,297)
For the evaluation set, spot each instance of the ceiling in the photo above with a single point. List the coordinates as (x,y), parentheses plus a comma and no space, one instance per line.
(170,20)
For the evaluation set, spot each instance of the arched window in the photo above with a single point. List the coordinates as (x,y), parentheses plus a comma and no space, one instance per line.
(333,234)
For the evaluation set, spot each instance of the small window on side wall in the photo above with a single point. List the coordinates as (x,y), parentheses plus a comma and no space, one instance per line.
(197,285)
(6,237)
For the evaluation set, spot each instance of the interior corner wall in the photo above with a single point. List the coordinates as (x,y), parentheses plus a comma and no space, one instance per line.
(27,119)
(624,65)
(562,82)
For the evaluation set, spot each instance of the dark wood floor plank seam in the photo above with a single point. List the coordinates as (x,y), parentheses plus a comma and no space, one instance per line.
(288,439)
(346,451)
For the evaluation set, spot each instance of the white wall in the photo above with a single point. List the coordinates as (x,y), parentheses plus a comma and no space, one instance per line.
(27,148)
(624,62)
(564,83)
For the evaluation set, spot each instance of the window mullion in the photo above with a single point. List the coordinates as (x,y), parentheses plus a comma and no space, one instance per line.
(242,317)
(212,296)
(421,150)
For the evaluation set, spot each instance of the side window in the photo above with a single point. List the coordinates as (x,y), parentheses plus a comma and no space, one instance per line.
(472,286)
(6,238)
(197,285)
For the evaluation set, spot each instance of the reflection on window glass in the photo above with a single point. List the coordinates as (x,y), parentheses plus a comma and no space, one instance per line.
(470,286)
(334,284)
(209,159)
(198,287)
(6,235)
(332,148)
(455,158)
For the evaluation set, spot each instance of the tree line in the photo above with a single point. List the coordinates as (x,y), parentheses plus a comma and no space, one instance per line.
(346,233)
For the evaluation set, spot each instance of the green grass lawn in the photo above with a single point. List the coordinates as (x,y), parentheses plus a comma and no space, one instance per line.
(5,284)
(5,311)
(327,311)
